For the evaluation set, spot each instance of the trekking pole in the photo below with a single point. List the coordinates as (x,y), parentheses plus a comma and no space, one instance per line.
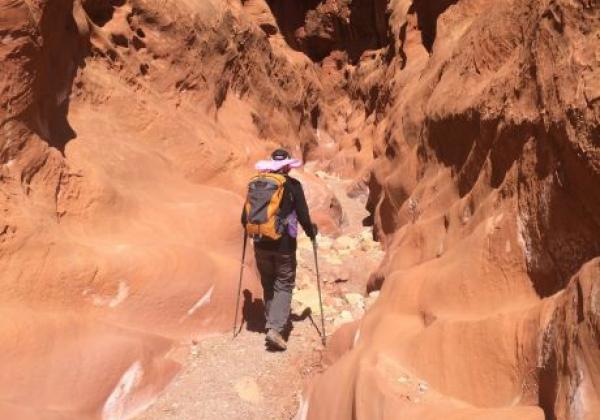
(323,335)
(237,305)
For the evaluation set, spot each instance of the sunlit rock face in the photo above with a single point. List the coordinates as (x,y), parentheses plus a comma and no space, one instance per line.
(128,130)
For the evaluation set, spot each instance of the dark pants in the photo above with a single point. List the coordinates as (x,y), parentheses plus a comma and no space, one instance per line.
(278,275)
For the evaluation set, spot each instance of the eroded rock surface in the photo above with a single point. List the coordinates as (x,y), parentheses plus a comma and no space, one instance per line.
(469,127)
(484,189)
(126,130)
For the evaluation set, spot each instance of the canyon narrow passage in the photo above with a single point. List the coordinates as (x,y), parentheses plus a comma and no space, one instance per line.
(452,164)
(237,378)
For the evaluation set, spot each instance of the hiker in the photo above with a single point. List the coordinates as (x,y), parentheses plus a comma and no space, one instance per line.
(273,208)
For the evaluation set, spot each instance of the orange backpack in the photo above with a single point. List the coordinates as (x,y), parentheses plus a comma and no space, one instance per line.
(265,193)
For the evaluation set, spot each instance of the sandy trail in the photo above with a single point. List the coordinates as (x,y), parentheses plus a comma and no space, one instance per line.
(238,378)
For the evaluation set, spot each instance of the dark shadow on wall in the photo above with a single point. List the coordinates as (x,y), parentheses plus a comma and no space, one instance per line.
(369,21)
(548,383)
(101,11)
(317,32)
(65,43)
(428,12)
(290,16)
(56,61)
(551,182)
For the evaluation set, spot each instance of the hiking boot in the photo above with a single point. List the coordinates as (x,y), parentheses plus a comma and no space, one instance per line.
(275,340)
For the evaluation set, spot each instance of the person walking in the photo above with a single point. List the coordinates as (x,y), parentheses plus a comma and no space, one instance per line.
(274,206)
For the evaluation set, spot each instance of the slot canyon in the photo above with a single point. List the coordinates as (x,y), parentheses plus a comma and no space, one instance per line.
(452,164)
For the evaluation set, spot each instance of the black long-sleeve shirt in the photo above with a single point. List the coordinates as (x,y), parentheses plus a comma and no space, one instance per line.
(293,199)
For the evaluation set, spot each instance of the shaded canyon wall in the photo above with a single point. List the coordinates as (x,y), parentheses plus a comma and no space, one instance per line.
(484,190)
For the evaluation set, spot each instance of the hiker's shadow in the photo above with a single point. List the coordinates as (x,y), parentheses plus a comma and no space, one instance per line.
(289,326)
(253,313)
